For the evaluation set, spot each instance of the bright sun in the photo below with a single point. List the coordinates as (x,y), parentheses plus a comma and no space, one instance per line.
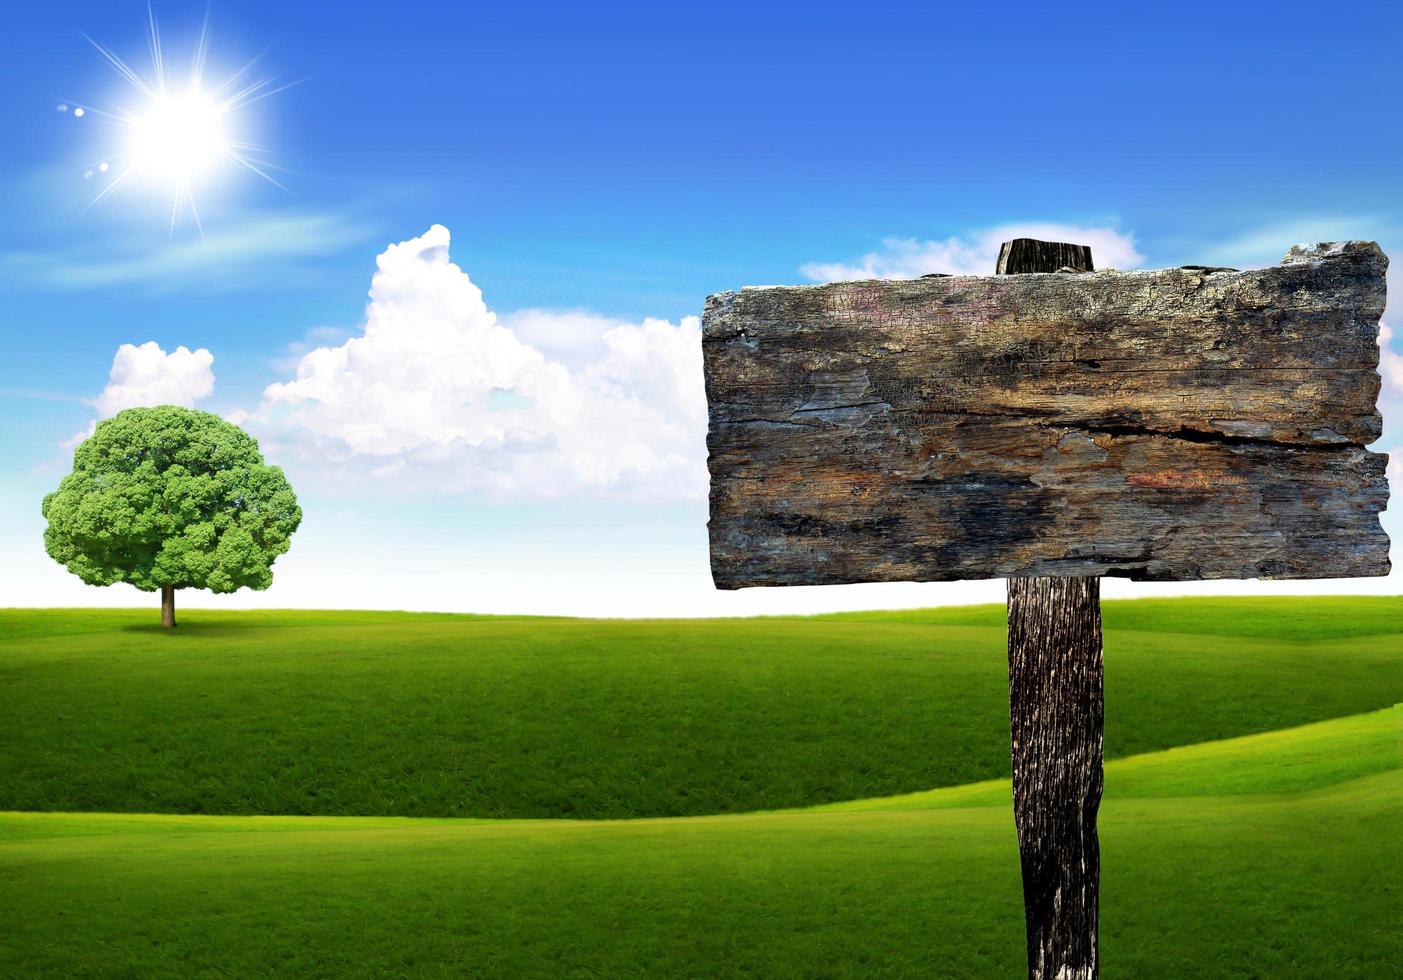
(179,138)
(178,133)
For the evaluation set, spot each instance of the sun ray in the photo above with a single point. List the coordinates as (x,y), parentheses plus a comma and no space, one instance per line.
(175,212)
(232,79)
(265,164)
(157,60)
(123,69)
(239,97)
(178,130)
(195,214)
(112,185)
(254,93)
(118,115)
(253,166)
(197,64)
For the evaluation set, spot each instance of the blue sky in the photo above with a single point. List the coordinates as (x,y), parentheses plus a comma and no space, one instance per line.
(603,168)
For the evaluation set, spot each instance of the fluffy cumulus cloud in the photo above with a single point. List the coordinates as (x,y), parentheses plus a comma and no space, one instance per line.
(907,258)
(436,384)
(147,375)
(568,336)
(1391,402)
(1391,372)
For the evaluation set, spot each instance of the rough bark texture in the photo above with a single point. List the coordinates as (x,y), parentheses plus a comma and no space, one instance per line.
(1178,424)
(168,605)
(1056,714)
(1033,255)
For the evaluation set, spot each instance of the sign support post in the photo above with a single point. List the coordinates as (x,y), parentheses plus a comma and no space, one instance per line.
(1167,425)
(1056,724)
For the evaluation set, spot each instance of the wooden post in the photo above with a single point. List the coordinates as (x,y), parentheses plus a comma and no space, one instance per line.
(1056,721)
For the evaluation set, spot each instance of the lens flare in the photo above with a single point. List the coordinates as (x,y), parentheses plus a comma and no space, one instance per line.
(177,134)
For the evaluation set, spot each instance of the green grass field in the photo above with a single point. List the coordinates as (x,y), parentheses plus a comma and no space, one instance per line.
(1252,823)
(385,714)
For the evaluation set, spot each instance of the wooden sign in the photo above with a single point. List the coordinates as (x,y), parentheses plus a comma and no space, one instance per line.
(1178,424)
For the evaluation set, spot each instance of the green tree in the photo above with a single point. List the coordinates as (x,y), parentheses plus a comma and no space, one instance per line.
(171,498)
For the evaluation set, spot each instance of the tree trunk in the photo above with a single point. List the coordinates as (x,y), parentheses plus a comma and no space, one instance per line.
(1056,716)
(168,606)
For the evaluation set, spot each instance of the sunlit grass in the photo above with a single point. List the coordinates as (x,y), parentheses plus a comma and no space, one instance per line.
(410,715)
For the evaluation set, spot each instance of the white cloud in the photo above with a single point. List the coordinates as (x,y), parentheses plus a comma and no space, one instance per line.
(439,387)
(907,258)
(1390,362)
(286,360)
(147,375)
(565,335)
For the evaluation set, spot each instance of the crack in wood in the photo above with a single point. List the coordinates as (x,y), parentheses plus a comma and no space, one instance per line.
(1222,428)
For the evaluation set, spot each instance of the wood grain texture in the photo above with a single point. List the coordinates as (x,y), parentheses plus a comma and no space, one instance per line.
(1035,255)
(1057,720)
(1056,698)
(1169,425)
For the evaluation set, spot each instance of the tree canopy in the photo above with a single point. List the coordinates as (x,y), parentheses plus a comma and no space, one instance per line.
(171,496)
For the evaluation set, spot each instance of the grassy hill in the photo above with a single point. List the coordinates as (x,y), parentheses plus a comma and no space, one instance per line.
(1250,826)
(415,715)
(1297,883)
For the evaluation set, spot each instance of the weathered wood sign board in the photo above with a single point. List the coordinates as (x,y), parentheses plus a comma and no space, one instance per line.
(1176,424)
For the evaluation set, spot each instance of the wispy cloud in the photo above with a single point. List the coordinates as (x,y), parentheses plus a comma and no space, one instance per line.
(975,255)
(227,254)
(1266,244)
(36,394)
